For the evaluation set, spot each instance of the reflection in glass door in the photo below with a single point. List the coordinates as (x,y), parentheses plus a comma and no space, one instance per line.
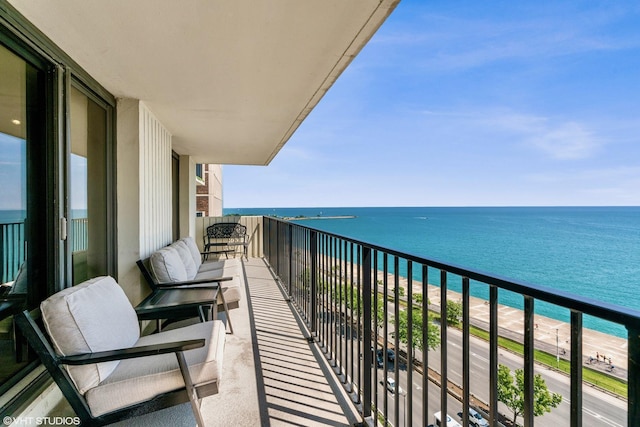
(87,186)
(21,202)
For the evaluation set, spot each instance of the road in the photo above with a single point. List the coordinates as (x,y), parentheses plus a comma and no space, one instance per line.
(599,408)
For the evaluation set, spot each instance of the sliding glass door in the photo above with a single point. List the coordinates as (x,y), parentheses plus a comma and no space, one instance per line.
(57,192)
(89,207)
(25,243)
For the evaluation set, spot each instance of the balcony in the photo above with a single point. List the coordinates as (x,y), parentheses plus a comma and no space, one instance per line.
(298,355)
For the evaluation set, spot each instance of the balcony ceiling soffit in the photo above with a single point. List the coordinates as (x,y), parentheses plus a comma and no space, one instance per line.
(231,80)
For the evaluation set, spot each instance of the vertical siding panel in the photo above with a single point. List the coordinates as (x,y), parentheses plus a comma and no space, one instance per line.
(155,181)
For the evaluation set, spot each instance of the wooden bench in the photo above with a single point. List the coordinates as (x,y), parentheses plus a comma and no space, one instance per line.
(225,238)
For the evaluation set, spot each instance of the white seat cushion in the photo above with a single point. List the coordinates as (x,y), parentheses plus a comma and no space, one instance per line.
(138,380)
(231,265)
(167,266)
(90,317)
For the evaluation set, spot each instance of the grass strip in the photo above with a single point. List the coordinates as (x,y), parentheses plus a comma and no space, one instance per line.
(604,381)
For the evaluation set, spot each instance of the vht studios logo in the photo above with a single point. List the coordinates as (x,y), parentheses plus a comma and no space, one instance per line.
(38,421)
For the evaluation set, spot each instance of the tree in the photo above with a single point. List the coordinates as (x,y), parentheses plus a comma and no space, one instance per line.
(433,332)
(454,312)
(511,393)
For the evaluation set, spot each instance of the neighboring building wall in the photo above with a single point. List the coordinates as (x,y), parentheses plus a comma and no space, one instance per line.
(144,191)
(209,194)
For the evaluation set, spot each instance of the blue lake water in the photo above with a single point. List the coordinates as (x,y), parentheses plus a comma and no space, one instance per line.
(588,251)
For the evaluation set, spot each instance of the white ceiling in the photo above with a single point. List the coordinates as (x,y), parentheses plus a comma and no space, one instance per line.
(230,79)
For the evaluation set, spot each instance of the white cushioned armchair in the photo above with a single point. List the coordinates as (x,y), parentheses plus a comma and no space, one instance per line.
(109,372)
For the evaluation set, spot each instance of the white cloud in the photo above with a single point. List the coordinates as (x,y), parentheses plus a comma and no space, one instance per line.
(567,141)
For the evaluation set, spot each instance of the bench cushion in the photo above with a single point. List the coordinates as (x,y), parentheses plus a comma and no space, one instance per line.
(138,380)
(231,263)
(167,266)
(186,257)
(193,248)
(90,317)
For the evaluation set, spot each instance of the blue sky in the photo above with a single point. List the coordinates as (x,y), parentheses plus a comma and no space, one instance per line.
(470,103)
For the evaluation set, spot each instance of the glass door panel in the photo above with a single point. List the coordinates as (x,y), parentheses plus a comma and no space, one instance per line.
(87,186)
(21,202)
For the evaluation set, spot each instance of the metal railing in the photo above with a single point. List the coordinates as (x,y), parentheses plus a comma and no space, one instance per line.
(12,250)
(347,290)
(79,234)
(12,245)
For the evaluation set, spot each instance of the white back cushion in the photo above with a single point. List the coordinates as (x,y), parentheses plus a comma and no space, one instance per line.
(187,259)
(167,266)
(195,252)
(90,317)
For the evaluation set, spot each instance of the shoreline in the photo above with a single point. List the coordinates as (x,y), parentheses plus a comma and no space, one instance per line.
(551,336)
(303,218)
(550,332)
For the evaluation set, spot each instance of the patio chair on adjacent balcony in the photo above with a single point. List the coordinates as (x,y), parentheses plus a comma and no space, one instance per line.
(108,372)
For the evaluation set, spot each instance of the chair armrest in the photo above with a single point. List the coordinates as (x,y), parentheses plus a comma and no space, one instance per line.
(170,285)
(132,352)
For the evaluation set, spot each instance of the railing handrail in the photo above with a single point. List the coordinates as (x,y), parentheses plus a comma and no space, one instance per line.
(626,316)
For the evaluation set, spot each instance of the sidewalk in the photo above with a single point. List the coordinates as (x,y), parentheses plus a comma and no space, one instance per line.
(511,325)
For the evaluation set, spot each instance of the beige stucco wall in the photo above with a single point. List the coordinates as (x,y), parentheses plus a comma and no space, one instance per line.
(143,191)
(128,195)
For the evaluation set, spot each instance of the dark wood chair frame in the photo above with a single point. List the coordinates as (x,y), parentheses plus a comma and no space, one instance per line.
(184,306)
(40,343)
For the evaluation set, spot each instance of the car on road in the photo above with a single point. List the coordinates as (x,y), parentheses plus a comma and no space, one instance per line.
(391,356)
(391,384)
(475,419)
(449,423)
(380,358)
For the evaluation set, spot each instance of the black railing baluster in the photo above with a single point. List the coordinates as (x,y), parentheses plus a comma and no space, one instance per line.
(528,361)
(425,342)
(374,296)
(342,327)
(444,381)
(385,301)
(576,369)
(290,244)
(633,374)
(367,356)
(334,302)
(313,246)
(465,352)
(359,315)
(408,409)
(493,356)
(396,338)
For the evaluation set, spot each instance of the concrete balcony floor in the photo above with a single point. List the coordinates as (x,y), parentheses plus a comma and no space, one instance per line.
(272,376)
